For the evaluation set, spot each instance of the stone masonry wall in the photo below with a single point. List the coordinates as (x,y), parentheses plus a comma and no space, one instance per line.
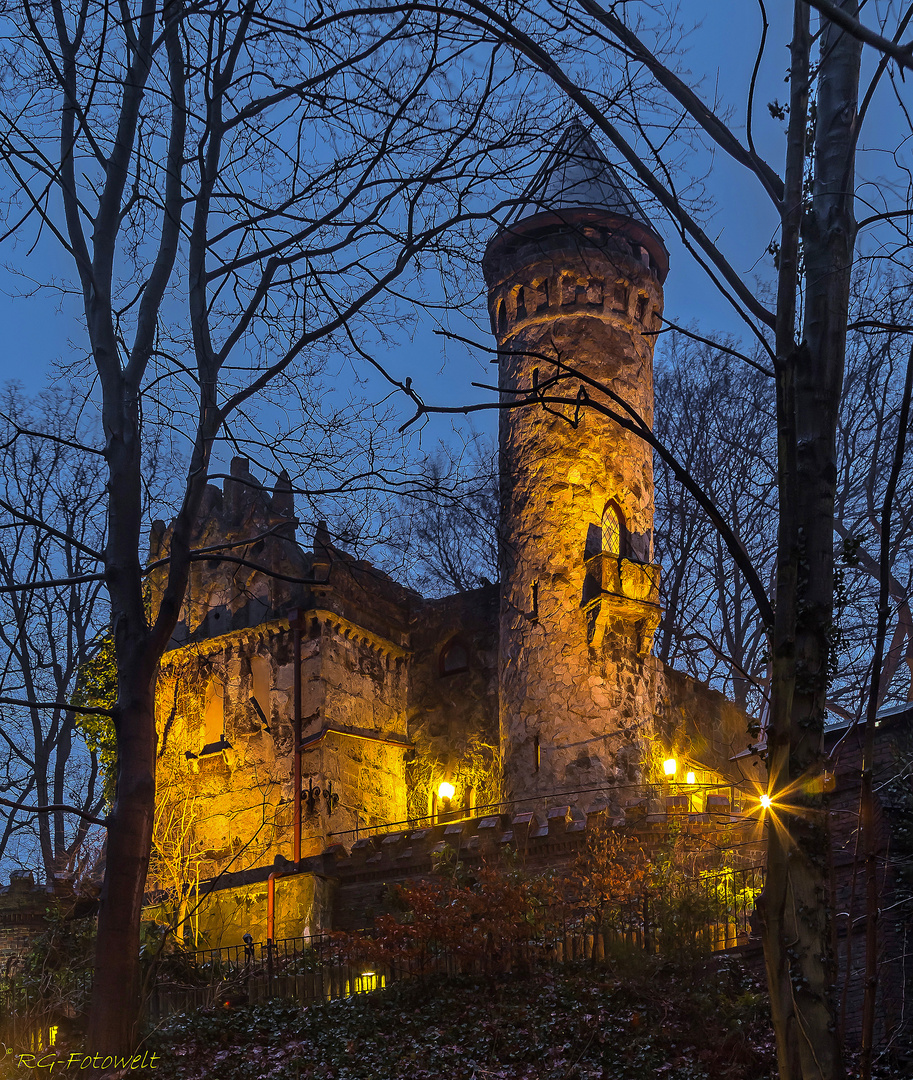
(453,708)
(701,728)
(895,927)
(237,790)
(22,916)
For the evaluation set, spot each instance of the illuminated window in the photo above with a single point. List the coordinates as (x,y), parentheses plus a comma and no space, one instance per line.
(186,711)
(260,682)
(214,713)
(214,719)
(454,657)
(612,532)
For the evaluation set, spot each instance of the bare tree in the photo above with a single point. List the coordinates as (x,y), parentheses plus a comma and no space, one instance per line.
(51,495)
(234,187)
(714,414)
(617,68)
(445,538)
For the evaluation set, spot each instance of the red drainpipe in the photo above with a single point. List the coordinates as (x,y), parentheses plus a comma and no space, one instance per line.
(296,652)
(271,880)
(271,901)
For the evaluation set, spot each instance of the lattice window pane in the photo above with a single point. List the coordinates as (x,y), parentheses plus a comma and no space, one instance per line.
(611,532)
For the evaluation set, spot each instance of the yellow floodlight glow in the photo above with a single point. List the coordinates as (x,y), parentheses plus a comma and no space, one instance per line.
(765,801)
(669,766)
(446,791)
(691,778)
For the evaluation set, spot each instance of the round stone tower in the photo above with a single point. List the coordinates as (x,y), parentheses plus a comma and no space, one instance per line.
(575,289)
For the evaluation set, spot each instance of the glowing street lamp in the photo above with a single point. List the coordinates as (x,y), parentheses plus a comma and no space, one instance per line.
(669,766)
(765,801)
(446,791)
(691,778)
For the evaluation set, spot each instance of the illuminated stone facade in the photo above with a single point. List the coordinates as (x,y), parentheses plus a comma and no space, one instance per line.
(575,289)
(539,693)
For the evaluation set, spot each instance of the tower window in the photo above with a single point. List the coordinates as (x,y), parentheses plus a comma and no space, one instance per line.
(454,657)
(641,308)
(521,303)
(612,531)
(502,318)
(541,294)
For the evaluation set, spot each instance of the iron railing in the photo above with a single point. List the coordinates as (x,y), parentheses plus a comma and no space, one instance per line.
(708,913)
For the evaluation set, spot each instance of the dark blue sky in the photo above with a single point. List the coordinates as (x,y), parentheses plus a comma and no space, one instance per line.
(720,54)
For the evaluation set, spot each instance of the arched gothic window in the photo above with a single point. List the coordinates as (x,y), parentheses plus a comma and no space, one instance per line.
(612,531)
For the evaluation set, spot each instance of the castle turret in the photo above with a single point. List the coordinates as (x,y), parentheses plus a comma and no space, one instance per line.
(575,279)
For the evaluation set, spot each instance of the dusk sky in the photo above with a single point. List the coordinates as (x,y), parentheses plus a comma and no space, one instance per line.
(719,55)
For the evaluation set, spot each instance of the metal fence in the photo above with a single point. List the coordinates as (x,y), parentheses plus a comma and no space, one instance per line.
(33,1010)
(706,914)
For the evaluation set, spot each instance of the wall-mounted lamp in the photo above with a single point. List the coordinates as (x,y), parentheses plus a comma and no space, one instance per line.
(669,766)
(311,796)
(446,791)
(691,778)
(330,796)
(765,801)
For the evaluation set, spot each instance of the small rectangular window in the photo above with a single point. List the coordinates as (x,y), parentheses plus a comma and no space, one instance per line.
(260,682)
(541,288)
(214,714)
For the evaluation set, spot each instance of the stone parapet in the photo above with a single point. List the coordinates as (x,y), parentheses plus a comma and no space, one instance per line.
(547,839)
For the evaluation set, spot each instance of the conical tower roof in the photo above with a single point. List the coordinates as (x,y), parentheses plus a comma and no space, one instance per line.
(576,189)
(577,175)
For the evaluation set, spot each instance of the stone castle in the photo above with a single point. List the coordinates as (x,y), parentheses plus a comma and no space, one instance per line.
(311,703)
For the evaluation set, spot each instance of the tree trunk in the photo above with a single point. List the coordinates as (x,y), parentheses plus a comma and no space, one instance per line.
(116,988)
(115,1010)
(796,911)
